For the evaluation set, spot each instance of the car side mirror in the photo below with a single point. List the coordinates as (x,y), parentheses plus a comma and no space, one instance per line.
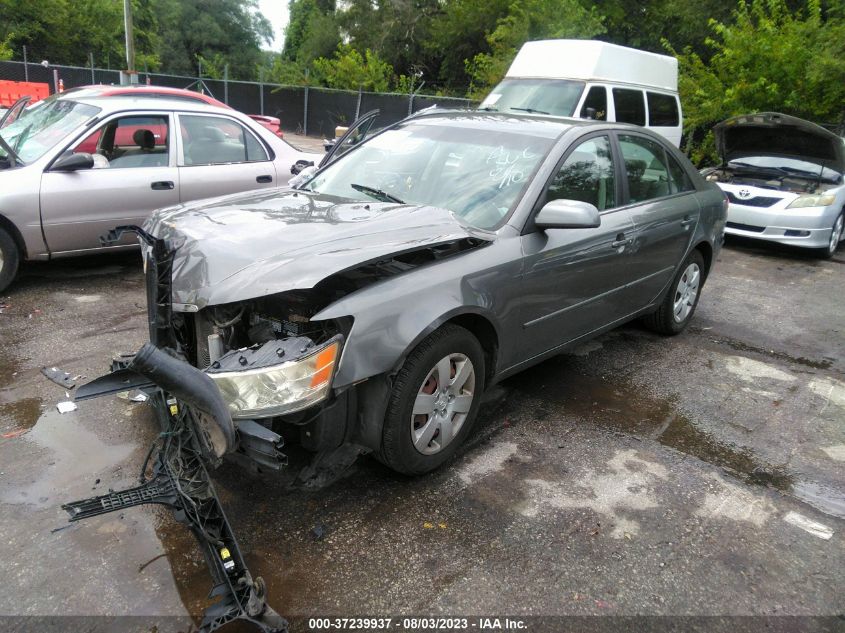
(74,162)
(302,177)
(568,214)
(299,165)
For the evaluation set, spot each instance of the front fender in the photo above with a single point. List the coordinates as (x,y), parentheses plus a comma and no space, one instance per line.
(392,316)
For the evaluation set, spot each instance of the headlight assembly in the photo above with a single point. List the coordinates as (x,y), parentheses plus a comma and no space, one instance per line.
(812,200)
(281,388)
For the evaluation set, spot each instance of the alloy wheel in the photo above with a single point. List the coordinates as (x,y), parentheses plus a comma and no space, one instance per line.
(686,293)
(442,404)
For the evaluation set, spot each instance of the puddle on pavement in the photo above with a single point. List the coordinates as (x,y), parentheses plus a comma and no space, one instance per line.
(75,453)
(20,415)
(622,407)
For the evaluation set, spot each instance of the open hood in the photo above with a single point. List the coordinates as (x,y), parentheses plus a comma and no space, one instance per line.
(773,134)
(262,243)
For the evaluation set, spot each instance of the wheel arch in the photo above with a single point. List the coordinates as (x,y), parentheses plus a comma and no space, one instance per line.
(706,249)
(470,318)
(375,390)
(7,225)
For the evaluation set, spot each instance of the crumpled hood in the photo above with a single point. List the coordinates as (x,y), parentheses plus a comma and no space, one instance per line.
(773,134)
(261,243)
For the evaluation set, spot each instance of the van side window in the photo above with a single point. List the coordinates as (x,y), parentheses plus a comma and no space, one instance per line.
(586,175)
(597,100)
(645,166)
(630,106)
(662,110)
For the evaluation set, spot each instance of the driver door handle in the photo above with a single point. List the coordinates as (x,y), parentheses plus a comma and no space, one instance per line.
(687,221)
(162,185)
(264,179)
(621,241)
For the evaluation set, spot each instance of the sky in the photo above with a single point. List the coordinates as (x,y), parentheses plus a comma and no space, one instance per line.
(276,11)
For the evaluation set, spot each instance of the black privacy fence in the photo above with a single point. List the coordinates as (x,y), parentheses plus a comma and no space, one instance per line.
(311,111)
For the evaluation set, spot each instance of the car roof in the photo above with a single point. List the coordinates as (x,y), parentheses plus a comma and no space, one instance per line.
(144,91)
(110,104)
(519,122)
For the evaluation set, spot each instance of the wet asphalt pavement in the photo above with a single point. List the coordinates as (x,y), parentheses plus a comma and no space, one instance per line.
(698,475)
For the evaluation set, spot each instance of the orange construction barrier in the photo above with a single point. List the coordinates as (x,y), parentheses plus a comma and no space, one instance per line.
(11,91)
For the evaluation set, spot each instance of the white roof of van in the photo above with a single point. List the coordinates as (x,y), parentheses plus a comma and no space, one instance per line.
(590,60)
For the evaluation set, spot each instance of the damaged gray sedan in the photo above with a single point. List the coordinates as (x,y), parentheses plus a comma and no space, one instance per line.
(368,308)
(374,304)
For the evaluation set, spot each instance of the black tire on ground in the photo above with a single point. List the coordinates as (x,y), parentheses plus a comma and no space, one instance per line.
(663,320)
(838,226)
(9,260)
(398,451)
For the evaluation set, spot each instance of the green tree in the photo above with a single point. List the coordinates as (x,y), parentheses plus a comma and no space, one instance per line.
(529,20)
(349,70)
(312,31)
(645,24)
(769,58)
(459,33)
(5,49)
(65,31)
(227,31)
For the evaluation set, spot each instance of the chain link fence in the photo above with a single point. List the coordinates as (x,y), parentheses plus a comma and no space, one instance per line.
(311,111)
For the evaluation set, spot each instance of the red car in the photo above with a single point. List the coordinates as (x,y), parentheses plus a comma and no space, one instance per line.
(270,122)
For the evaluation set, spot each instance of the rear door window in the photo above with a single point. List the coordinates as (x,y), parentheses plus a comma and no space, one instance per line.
(211,140)
(629,105)
(646,168)
(662,110)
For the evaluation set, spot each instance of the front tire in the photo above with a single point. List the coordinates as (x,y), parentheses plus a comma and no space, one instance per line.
(9,260)
(434,401)
(678,306)
(836,232)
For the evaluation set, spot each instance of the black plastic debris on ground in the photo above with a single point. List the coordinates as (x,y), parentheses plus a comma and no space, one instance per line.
(59,377)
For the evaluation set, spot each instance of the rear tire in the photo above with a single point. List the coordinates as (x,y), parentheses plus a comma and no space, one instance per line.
(436,395)
(678,306)
(9,260)
(836,233)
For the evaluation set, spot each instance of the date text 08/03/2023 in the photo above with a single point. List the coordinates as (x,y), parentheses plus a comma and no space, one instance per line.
(411,624)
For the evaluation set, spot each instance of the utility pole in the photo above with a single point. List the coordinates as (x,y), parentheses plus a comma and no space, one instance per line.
(129,76)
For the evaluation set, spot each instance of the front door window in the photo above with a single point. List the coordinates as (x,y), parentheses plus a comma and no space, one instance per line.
(586,175)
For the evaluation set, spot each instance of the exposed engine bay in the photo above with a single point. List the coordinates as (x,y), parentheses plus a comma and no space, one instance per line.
(765,179)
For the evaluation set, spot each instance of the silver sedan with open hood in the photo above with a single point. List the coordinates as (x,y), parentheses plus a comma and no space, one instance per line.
(784,179)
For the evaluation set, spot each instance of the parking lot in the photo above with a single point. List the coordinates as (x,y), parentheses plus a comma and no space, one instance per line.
(638,475)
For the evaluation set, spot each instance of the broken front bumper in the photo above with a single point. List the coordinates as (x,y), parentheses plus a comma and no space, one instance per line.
(196,432)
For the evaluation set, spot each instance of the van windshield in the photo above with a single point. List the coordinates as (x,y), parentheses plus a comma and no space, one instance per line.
(557,97)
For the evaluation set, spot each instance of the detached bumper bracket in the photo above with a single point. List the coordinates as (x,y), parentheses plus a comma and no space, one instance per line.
(180,481)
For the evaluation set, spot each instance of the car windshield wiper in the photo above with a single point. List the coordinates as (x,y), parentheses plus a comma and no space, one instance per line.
(488,109)
(531,110)
(378,194)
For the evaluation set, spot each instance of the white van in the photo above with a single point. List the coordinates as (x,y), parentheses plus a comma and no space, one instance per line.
(590,79)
